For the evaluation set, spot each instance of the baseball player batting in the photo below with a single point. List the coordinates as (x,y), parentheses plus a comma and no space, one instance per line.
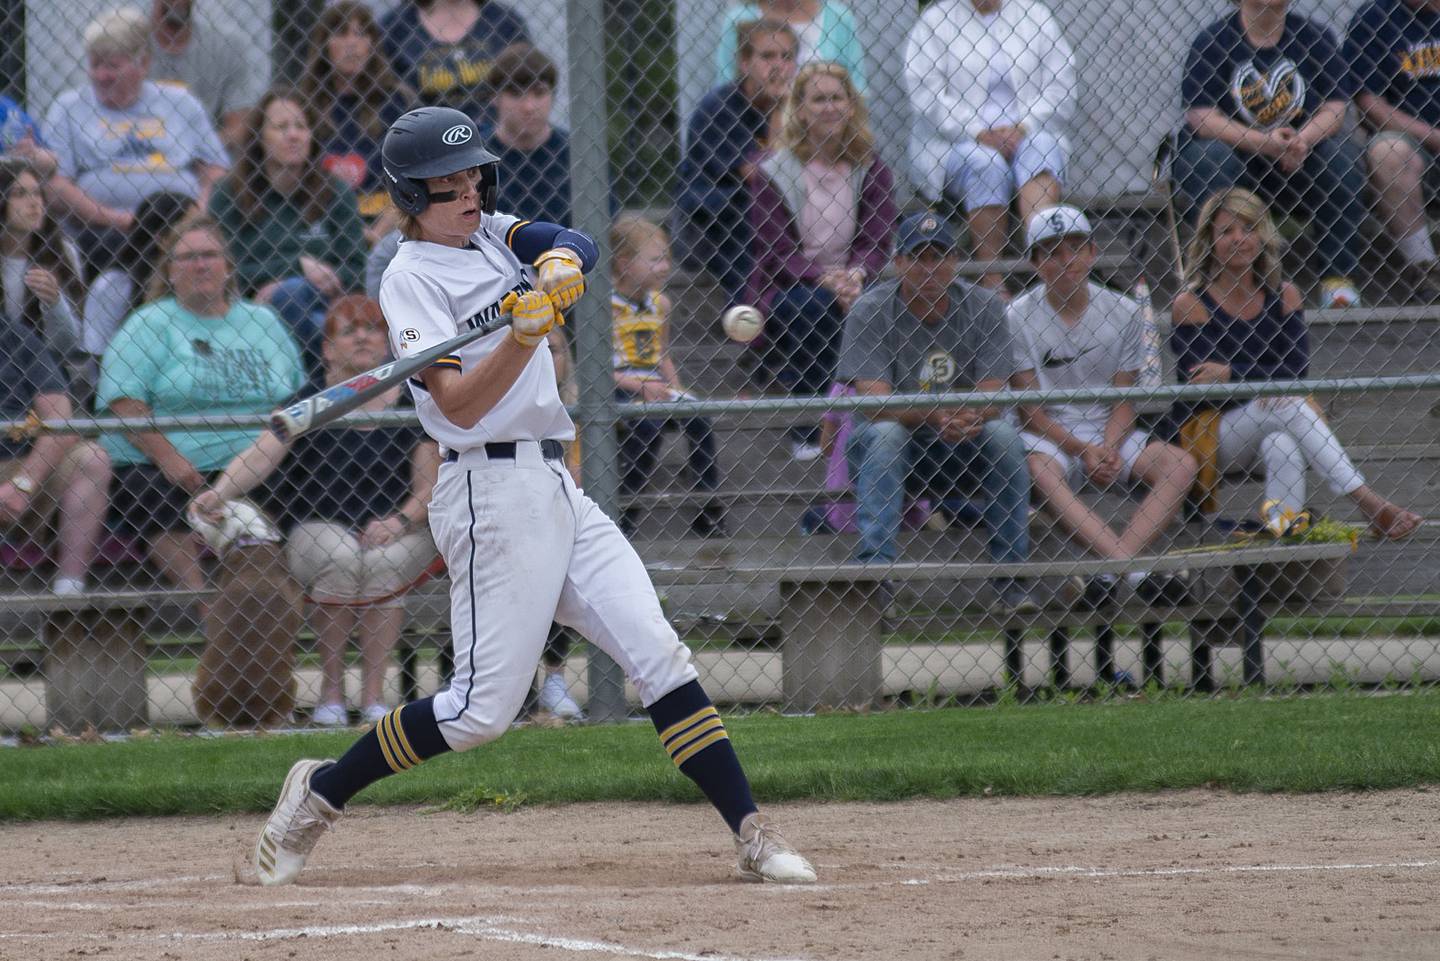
(524,546)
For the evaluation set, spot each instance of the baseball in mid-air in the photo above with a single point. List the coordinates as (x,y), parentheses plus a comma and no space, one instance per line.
(742,323)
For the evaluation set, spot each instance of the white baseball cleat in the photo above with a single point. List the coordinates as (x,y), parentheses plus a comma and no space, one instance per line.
(766,856)
(299,818)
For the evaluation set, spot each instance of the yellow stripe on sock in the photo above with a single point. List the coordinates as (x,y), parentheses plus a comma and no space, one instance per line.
(683,741)
(700,745)
(679,726)
(406,751)
(391,756)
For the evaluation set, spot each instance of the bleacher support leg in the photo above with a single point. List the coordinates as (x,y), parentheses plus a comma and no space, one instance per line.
(1060,658)
(1014,658)
(1152,654)
(1252,619)
(1202,654)
(1104,654)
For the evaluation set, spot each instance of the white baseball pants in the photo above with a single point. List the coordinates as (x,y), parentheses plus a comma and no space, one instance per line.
(525,547)
(1285,433)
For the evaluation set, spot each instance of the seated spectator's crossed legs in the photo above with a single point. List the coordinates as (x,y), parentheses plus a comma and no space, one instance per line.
(883,454)
(1284,434)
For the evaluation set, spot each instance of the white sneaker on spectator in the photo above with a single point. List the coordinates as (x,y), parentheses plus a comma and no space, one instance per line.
(68,586)
(330,715)
(805,450)
(373,713)
(556,699)
(764,855)
(1338,292)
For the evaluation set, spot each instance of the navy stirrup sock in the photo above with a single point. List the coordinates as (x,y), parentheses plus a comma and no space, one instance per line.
(692,732)
(403,738)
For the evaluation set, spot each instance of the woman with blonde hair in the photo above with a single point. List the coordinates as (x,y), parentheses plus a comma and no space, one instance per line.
(824,215)
(1239,320)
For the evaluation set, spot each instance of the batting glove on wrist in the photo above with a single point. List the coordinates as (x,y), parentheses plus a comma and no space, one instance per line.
(534,314)
(561,276)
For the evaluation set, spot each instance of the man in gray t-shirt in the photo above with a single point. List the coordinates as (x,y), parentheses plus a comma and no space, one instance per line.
(926,332)
(1072,333)
(219,68)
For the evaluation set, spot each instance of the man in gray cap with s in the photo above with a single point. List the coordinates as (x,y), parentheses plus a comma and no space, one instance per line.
(928,332)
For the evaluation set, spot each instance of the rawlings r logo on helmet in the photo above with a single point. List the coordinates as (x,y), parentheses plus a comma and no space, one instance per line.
(458,134)
(432,142)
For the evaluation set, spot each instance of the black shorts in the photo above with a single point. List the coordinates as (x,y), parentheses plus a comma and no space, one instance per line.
(143,503)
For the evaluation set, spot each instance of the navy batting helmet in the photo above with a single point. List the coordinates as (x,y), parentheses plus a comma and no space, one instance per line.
(435,142)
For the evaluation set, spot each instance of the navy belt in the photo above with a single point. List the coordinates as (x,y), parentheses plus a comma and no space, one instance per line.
(505,450)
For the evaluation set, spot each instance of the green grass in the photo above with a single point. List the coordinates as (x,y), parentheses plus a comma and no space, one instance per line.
(1242,743)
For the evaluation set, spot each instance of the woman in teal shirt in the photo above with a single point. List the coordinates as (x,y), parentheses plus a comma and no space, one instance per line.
(294,232)
(195,348)
(826,31)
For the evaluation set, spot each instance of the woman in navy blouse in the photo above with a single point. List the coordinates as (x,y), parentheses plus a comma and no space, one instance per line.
(1239,320)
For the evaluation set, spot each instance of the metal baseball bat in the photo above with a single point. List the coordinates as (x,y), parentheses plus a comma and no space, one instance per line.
(337,400)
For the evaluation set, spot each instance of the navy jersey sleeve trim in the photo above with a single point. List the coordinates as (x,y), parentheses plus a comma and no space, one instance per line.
(530,239)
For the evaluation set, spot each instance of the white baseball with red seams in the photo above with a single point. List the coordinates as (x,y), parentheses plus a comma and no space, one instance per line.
(523,545)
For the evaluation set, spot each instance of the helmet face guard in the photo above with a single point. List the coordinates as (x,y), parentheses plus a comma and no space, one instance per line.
(435,142)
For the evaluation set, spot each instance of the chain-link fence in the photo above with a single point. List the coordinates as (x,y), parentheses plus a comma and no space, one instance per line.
(986,348)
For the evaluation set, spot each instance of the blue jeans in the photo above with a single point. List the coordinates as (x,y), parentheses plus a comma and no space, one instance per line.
(883,454)
(804,339)
(1329,187)
(302,307)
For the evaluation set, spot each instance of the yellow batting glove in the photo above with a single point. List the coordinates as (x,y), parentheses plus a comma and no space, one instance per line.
(533,314)
(561,276)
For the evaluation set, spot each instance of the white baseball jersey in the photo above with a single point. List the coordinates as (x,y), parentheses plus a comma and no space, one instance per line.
(1108,339)
(430,293)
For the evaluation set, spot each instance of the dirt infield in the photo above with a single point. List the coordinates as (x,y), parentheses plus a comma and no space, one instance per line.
(1173,876)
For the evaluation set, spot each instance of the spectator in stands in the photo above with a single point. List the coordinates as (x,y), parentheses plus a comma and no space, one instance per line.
(444,48)
(122,289)
(823,213)
(1073,333)
(725,135)
(992,86)
(194,348)
(217,66)
(1265,92)
(1393,48)
(645,371)
(352,89)
(824,30)
(358,526)
(20,136)
(294,231)
(926,332)
(39,269)
(1239,320)
(125,137)
(534,154)
(38,473)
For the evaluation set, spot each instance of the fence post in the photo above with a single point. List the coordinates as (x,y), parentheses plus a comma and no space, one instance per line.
(590,186)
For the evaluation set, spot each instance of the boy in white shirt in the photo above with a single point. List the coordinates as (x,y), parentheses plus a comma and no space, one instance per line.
(1072,333)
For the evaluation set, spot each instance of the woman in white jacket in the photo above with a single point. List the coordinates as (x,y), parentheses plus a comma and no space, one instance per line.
(992,85)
